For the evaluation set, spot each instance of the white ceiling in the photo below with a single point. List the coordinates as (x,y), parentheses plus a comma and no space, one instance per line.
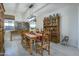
(21,10)
(15,8)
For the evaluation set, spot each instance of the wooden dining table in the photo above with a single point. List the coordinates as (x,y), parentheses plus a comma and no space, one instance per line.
(32,38)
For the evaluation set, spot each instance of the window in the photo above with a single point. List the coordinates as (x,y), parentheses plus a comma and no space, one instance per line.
(9,25)
(32,25)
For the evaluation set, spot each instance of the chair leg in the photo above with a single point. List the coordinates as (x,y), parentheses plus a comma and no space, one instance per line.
(42,51)
(36,47)
(36,50)
(48,50)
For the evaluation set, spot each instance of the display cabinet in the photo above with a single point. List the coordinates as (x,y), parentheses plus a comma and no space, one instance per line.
(52,24)
(1,29)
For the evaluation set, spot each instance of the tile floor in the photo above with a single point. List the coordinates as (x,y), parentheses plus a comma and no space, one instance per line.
(14,48)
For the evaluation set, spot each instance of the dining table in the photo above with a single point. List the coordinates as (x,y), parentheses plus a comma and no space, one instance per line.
(32,38)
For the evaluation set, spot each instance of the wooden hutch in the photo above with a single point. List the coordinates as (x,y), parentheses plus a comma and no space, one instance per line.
(1,29)
(52,23)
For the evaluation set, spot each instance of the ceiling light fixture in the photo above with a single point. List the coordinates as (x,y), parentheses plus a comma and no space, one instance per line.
(31,6)
(31,18)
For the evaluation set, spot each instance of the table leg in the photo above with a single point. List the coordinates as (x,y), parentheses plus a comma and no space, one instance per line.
(11,36)
(31,46)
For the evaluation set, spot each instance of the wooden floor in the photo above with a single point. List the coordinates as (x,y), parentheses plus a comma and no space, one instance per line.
(14,48)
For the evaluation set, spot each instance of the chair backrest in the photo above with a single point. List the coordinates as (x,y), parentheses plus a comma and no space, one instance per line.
(46,37)
(66,38)
(23,35)
(37,31)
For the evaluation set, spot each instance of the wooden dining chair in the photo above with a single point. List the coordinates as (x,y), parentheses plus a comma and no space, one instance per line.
(25,41)
(43,43)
